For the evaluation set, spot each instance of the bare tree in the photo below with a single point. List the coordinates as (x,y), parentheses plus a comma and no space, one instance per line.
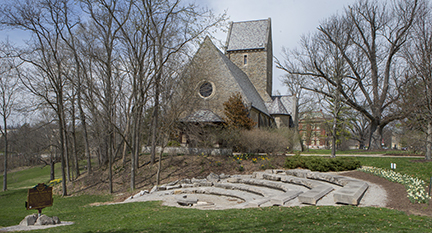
(105,30)
(173,26)
(368,36)
(418,97)
(45,77)
(8,93)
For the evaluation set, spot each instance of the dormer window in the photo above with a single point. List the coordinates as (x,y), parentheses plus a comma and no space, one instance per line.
(245,59)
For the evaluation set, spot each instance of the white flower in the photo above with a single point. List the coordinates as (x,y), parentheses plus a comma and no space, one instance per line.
(415,187)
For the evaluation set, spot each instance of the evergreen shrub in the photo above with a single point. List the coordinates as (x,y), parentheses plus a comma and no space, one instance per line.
(322,164)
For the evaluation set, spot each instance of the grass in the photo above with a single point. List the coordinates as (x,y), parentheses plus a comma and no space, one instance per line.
(28,178)
(152,217)
(403,165)
(354,152)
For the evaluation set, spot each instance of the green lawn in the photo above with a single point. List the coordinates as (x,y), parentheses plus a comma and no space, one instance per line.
(403,165)
(152,217)
(354,152)
(29,177)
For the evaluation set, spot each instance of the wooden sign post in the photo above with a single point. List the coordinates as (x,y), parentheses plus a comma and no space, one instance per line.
(39,197)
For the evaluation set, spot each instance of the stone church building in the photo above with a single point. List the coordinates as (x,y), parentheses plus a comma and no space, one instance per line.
(245,67)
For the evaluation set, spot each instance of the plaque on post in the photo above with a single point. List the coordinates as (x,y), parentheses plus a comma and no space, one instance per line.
(39,197)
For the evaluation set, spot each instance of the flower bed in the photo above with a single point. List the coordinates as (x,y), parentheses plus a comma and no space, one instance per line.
(415,186)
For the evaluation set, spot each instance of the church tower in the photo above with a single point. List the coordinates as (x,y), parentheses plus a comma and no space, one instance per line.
(249,46)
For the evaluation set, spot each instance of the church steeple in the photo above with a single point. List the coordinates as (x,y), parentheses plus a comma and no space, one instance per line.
(249,46)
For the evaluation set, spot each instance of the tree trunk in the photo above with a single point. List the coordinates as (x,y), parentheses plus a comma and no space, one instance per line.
(429,142)
(5,154)
(74,143)
(133,157)
(159,168)
(62,143)
(155,125)
(110,162)
(85,136)
(375,136)
(333,151)
(52,169)
(66,152)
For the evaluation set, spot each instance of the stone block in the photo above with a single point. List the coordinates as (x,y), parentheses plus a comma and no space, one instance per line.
(257,202)
(213,177)
(56,220)
(312,196)
(302,173)
(272,177)
(44,220)
(280,200)
(185,201)
(351,193)
(29,220)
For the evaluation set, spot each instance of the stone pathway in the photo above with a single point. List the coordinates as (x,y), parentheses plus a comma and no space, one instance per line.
(296,187)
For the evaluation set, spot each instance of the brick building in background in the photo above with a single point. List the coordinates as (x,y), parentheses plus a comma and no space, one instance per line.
(314,130)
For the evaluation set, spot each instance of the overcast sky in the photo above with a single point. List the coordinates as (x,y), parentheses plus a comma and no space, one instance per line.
(290,20)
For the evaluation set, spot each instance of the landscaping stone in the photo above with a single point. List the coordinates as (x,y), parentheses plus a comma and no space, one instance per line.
(185,181)
(298,172)
(213,177)
(29,220)
(312,196)
(185,201)
(351,193)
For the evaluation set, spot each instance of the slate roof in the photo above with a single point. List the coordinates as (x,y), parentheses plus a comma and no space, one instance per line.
(202,116)
(248,35)
(288,102)
(277,108)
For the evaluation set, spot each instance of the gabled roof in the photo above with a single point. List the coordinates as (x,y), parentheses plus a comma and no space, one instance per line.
(248,35)
(277,108)
(288,102)
(241,80)
(202,116)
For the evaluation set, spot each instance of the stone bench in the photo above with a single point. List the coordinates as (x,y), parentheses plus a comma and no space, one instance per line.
(316,192)
(312,196)
(351,192)
(275,199)
(245,188)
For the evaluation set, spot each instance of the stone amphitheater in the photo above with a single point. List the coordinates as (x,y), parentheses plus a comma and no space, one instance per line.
(297,187)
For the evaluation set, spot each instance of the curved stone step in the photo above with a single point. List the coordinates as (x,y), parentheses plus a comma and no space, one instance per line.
(250,199)
(275,199)
(317,189)
(351,192)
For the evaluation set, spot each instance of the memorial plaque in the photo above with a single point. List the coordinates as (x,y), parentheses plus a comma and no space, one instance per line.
(39,197)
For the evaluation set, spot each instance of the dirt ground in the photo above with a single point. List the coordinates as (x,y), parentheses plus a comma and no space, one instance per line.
(199,166)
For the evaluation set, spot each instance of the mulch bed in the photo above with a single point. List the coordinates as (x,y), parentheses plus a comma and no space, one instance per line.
(396,194)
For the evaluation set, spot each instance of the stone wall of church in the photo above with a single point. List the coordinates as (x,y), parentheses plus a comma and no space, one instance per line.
(282,120)
(256,68)
(208,69)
